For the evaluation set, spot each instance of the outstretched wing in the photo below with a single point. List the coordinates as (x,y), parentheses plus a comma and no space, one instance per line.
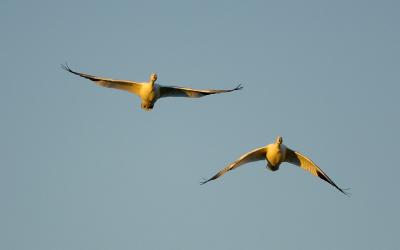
(255,155)
(168,91)
(305,163)
(129,86)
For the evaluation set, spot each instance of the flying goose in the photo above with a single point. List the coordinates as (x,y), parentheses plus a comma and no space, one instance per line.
(275,154)
(149,92)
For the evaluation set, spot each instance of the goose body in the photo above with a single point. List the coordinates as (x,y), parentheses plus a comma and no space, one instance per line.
(149,92)
(275,154)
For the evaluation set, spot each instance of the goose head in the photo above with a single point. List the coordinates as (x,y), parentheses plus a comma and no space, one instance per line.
(153,77)
(279,140)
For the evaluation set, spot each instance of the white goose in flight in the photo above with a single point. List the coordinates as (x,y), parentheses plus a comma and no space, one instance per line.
(275,154)
(149,92)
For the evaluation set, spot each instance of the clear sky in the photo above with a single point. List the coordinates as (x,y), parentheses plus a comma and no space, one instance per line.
(83,167)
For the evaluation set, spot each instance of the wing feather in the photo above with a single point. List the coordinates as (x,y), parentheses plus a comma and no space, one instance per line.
(132,87)
(307,164)
(169,91)
(255,155)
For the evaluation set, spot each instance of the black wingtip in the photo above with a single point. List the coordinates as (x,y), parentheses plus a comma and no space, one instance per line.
(344,191)
(327,179)
(204,182)
(66,67)
(239,87)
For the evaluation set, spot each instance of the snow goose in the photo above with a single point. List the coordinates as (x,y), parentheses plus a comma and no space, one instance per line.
(149,92)
(275,154)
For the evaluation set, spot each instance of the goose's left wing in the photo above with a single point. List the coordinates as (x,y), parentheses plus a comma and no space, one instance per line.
(255,155)
(305,163)
(169,91)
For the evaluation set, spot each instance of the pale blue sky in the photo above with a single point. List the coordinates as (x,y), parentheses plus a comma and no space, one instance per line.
(83,167)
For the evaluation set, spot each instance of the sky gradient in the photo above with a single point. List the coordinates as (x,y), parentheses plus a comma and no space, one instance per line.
(83,167)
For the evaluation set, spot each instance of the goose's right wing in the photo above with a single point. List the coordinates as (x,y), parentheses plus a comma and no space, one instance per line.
(255,155)
(307,164)
(129,86)
(174,91)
